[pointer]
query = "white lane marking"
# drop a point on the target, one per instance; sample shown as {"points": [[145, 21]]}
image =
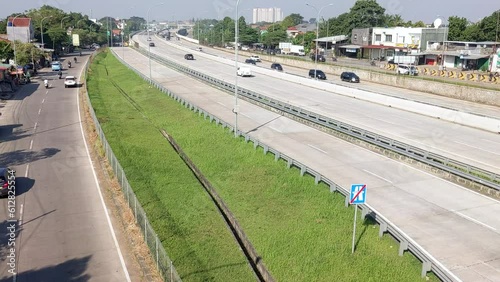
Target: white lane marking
{"points": [[498, 143], [39, 111], [31, 144], [277, 130], [27, 170], [475, 220], [122, 261], [316, 148], [383, 120], [21, 214], [220, 103], [43, 101], [479, 148], [36, 124], [378, 176]]}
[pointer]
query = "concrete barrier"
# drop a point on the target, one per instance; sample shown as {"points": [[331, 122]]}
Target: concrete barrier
{"points": [[455, 116]]}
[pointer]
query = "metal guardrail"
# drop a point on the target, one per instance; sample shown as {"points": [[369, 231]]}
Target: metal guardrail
{"points": [[163, 262], [429, 263], [463, 170]]}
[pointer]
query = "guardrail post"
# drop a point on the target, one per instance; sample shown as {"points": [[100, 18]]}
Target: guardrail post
{"points": [[255, 144], [403, 246], [317, 179], [302, 170], [364, 211], [276, 156], [266, 149], [347, 201], [333, 188], [426, 267], [383, 229]]}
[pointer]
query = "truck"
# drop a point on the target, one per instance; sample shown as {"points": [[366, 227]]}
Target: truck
{"points": [[408, 60], [290, 49]]}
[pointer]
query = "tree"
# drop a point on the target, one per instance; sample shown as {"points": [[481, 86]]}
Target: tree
{"points": [[456, 28], [3, 27], [6, 51], [366, 13], [26, 53], [291, 20], [394, 20], [419, 24]]}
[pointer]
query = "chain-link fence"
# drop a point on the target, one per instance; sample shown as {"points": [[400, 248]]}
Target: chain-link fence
{"points": [[163, 262]]}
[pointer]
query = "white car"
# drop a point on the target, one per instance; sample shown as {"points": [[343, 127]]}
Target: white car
{"points": [[407, 69], [244, 71], [69, 81], [255, 58], [244, 48]]}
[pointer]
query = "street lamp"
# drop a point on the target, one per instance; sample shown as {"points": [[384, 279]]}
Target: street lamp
{"points": [[149, 46], [236, 34], [14, 33], [317, 36], [67, 17], [198, 22], [41, 31], [437, 24]]}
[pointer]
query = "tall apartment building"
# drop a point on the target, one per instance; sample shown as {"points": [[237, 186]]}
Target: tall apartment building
{"points": [[270, 15]]}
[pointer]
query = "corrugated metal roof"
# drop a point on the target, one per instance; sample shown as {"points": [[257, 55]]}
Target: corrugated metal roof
{"points": [[20, 22]]}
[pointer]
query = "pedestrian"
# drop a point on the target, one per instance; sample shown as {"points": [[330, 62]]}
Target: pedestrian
{"points": [[491, 76]]}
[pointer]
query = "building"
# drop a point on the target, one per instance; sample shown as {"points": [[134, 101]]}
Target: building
{"points": [[268, 15], [20, 29]]}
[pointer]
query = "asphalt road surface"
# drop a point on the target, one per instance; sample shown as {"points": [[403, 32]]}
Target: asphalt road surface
{"points": [[64, 232], [457, 226]]}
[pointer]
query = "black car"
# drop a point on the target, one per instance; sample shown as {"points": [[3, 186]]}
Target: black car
{"points": [[151, 44], [318, 74], [276, 66], [250, 61], [189, 57], [4, 181], [349, 76]]}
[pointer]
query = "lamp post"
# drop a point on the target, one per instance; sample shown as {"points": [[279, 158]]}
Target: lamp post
{"points": [[14, 33], [149, 46], [67, 17], [236, 34], [437, 23], [41, 31], [317, 36]]}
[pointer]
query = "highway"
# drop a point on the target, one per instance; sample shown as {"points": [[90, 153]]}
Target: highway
{"points": [[446, 219], [64, 232], [445, 138]]}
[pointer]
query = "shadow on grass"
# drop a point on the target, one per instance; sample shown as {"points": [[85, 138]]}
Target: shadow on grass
{"points": [[367, 222], [72, 270]]}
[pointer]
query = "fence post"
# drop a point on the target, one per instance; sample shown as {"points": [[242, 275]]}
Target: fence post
{"points": [[135, 208], [145, 228], [171, 272], [157, 254]]}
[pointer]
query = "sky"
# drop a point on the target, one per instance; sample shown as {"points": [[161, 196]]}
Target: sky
{"points": [[414, 10]]}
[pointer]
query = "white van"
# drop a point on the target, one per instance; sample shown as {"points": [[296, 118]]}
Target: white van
{"points": [[244, 71]]}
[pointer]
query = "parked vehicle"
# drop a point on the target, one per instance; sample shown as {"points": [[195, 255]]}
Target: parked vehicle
{"points": [[189, 57], [407, 69], [349, 76], [290, 49], [244, 71], [69, 81], [249, 61], [199, 49], [276, 66], [56, 66], [319, 74], [256, 58]]}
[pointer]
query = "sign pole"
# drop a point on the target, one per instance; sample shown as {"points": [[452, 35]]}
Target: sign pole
{"points": [[354, 229]]}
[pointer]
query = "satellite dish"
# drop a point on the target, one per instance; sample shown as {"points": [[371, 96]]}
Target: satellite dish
{"points": [[438, 22]]}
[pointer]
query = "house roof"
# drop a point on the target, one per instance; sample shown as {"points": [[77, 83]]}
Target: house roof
{"points": [[336, 38], [20, 22]]}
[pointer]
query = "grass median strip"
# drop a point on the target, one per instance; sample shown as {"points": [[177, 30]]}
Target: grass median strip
{"points": [[301, 230]]}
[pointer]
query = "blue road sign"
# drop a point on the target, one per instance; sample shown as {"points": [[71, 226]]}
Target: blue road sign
{"points": [[358, 194]]}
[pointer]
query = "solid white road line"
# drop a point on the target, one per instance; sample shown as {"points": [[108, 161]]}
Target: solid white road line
{"points": [[479, 148], [475, 220], [378, 176], [127, 276], [316, 148]]}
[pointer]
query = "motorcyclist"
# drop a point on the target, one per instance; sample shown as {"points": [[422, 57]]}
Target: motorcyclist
{"points": [[46, 83], [69, 64], [60, 74], [74, 59]]}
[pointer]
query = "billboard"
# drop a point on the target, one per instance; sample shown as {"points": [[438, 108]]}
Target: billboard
{"points": [[76, 40]]}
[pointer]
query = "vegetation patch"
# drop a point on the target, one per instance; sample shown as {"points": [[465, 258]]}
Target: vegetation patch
{"points": [[302, 231]]}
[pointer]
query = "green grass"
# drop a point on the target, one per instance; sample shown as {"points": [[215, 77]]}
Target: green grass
{"points": [[302, 231]]}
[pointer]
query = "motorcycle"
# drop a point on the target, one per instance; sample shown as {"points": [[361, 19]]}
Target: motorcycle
{"points": [[69, 65], [60, 74], [46, 83]]}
